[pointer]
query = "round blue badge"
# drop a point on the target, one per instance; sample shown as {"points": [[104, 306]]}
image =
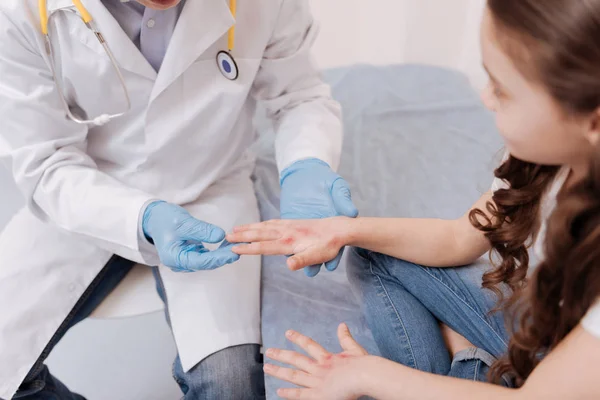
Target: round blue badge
{"points": [[227, 65]]}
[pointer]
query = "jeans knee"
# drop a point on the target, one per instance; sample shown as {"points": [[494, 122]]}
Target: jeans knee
{"points": [[364, 267], [232, 373], [358, 268], [365, 263]]}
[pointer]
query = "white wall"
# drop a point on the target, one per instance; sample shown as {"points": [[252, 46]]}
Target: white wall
{"points": [[438, 32]]}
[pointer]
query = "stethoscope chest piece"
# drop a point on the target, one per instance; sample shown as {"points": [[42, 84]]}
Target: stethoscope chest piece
{"points": [[227, 65]]}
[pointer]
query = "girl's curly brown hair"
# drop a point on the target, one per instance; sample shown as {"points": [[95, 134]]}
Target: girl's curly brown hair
{"points": [[557, 43]]}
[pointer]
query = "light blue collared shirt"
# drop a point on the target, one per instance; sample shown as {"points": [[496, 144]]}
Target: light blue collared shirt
{"points": [[149, 29]]}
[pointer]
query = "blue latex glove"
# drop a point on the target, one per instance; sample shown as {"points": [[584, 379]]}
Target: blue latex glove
{"points": [[311, 190], [178, 238]]}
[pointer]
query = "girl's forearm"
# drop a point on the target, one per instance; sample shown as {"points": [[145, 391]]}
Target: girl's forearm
{"points": [[386, 380], [430, 242]]}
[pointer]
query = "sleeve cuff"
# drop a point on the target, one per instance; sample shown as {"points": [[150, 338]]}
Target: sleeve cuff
{"points": [[147, 250], [300, 154]]}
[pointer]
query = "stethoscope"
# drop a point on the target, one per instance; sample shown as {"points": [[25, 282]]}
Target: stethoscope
{"points": [[225, 60]]}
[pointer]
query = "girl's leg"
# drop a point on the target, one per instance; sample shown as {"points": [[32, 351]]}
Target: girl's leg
{"points": [[472, 364], [404, 329], [394, 294]]}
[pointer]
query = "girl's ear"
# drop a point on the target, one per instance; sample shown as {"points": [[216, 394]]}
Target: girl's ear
{"points": [[592, 134]]}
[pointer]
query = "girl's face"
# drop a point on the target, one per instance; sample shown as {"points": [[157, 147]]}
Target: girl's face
{"points": [[533, 125]]}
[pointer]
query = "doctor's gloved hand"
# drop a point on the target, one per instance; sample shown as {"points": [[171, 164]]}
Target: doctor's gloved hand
{"points": [[310, 189], [178, 238]]}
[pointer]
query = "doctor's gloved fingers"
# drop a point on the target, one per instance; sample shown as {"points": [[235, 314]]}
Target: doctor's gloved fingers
{"points": [[175, 257], [333, 264], [312, 271], [226, 244], [199, 231], [208, 260], [225, 255], [342, 199]]}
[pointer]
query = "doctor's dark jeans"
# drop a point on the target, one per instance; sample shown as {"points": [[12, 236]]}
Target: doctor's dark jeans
{"points": [[233, 373], [404, 304]]}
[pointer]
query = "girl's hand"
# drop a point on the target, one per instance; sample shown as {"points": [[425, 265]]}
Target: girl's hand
{"points": [[322, 375], [309, 242]]}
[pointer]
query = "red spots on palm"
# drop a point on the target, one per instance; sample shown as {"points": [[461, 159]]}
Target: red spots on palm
{"points": [[287, 240], [304, 231], [326, 361]]}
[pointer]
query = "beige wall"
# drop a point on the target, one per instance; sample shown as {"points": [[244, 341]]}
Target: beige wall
{"points": [[438, 32]]}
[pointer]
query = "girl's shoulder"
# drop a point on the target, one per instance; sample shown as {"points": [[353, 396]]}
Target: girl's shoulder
{"points": [[591, 321]]}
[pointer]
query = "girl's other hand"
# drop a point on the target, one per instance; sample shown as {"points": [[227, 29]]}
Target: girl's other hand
{"points": [[322, 375]]}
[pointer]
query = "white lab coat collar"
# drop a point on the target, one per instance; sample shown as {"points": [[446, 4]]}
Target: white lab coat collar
{"points": [[127, 54], [54, 5], [202, 22]]}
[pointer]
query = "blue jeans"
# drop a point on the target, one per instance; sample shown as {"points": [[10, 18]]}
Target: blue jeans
{"points": [[404, 304], [232, 373]]}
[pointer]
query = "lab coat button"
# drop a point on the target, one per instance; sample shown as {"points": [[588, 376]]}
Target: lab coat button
{"points": [[151, 22]]}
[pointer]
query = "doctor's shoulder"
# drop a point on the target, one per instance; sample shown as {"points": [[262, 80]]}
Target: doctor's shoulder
{"points": [[20, 26]]}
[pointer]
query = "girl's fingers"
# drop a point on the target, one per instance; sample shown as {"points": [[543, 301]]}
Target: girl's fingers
{"points": [[348, 343], [247, 227], [270, 248], [314, 349], [290, 375], [306, 259], [253, 235], [258, 226], [296, 394], [294, 359]]}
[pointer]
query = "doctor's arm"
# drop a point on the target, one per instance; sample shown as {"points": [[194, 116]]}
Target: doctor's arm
{"points": [[61, 182], [289, 85], [307, 122]]}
